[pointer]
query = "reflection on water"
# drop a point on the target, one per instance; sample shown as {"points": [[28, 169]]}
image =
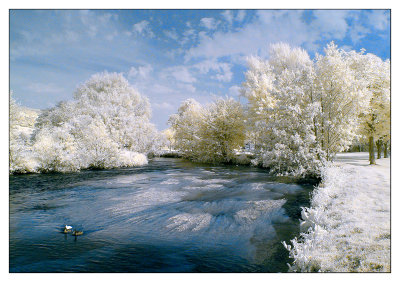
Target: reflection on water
{"points": [[169, 216]]}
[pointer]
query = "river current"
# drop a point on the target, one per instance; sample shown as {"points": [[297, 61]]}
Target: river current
{"points": [[169, 216]]}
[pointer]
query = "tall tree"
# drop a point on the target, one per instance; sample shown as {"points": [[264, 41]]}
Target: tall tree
{"points": [[22, 123], [222, 130], [169, 137], [211, 133], [304, 111], [106, 125], [374, 75], [186, 125], [343, 97]]}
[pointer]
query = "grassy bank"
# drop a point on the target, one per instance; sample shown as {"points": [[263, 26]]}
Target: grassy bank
{"points": [[347, 227]]}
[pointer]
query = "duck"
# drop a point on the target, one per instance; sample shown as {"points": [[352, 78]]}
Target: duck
{"points": [[77, 233], [67, 229]]}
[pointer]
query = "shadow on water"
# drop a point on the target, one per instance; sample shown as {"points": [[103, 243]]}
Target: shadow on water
{"points": [[169, 216]]}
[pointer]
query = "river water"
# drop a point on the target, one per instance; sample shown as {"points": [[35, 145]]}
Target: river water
{"points": [[169, 216]]}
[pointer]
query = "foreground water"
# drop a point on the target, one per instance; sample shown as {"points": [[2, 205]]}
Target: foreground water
{"points": [[169, 216]]}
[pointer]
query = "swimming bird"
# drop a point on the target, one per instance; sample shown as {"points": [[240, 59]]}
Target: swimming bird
{"points": [[67, 228], [77, 233]]}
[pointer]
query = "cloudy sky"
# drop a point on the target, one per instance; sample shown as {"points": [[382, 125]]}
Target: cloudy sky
{"points": [[170, 55]]}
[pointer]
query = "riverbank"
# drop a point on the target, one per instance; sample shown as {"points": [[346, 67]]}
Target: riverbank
{"points": [[347, 227], [240, 158]]}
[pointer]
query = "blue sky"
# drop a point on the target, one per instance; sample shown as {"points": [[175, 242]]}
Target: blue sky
{"points": [[170, 55]]}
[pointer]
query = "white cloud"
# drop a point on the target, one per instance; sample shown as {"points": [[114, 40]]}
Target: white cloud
{"points": [[95, 24], [209, 23], [187, 87], [140, 26], [173, 53], [65, 28], [240, 15], [331, 23], [228, 16], [347, 48], [161, 89], [171, 34], [225, 76], [251, 39], [202, 35], [39, 87], [180, 73], [111, 36], [234, 91], [127, 33], [71, 36], [206, 65], [188, 35], [162, 105], [379, 19], [189, 32], [222, 70], [142, 71], [269, 27], [143, 28], [357, 32]]}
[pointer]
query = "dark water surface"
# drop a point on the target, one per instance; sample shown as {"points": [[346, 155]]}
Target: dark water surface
{"points": [[168, 216]]}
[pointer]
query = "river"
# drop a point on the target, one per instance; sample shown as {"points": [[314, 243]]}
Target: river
{"points": [[169, 216]]}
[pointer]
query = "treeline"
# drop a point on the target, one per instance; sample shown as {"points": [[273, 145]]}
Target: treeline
{"points": [[300, 111]]}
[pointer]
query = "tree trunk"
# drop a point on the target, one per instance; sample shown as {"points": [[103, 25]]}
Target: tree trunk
{"points": [[385, 150], [379, 148], [371, 150]]}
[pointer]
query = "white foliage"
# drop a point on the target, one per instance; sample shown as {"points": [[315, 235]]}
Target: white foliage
{"points": [[22, 121], [343, 97], [168, 138], [186, 125], [128, 158], [211, 133], [106, 126], [347, 227], [375, 74], [222, 131], [302, 112]]}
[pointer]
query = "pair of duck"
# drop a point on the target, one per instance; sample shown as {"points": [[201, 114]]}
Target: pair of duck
{"points": [[68, 229]]}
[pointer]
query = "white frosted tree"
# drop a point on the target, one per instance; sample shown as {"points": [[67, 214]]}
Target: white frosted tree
{"points": [[124, 112], [281, 110], [257, 88], [303, 111], [211, 133], [55, 149], [384, 126], [22, 123], [105, 126], [222, 131], [186, 125], [169, 138], [342, 97], [375, 119]]}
